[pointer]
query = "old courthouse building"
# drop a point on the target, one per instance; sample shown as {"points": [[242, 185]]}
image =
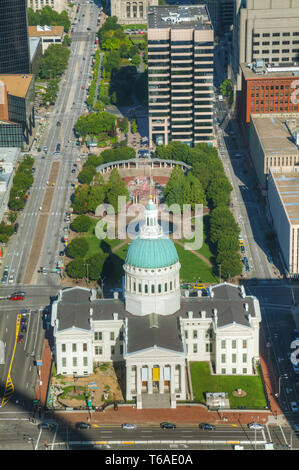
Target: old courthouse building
{"points": [[154, 331]]}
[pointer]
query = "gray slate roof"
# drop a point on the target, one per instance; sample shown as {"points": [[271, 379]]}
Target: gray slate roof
{"points": [[142, 335]]}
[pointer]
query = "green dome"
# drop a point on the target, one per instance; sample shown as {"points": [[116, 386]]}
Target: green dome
{"points": [[152, 253]]}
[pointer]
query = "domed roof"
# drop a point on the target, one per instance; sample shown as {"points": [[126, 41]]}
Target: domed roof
{"points": [[152, 253]]}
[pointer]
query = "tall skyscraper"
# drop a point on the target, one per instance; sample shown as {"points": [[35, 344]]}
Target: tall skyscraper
{"points": [[180, 74], [14, 42]]}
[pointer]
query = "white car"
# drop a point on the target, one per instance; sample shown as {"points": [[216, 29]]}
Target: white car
{"points": [[11, 279], [294, 406], [128, 426], [256, 426]]}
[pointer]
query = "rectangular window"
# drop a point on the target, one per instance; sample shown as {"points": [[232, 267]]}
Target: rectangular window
{"points": [[234, 344], [74, 362], [244, 370], [64, 362], [194, 334], [84, 347], [223, 358], [85, 361], [234, 358], [195, 348], [98, 336], [244, 357], [244, 343], [98, 350], [223, 371], [63, 348], [112, 336], [223, 344], [74, 347], [234, 371], [112, 350]]}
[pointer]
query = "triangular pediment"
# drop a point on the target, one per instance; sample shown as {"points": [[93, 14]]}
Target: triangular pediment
{"points": [[155, 352]]}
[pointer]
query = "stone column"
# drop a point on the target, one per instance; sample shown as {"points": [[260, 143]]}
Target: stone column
{"points": [[161, 379], [150, 379], [128, 382], [138, 379], [172, 380], [183, 380]]}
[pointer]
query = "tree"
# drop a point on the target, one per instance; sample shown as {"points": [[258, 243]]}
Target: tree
{"points": [[77, 248], [96, 197], [219, 191], [95, 265], [231, 265], [80, 199], [81, 223], [86, 175], [134, 127], [136, 60], [116, 187], [76, 268], [54, 61], [222, 222]]}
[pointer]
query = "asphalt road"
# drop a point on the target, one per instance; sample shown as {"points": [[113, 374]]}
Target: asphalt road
{"points": [[70, 105]]}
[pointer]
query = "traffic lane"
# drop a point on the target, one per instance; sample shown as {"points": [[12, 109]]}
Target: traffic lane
{"points": [[155, 433]]}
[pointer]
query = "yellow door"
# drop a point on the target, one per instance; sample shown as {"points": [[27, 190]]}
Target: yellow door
{"points": [[155, 374]]}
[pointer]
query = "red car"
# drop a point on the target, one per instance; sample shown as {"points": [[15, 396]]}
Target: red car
{"points": [[20, 339], [17, 297], [83, 87]]}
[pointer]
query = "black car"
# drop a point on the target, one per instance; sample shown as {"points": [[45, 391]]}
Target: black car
{"points": [[58, 147], [83, 425], [61, 253], [58, 124], [207, 426], [167, 426], [16, 227]]}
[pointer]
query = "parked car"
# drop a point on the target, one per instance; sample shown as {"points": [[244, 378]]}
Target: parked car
{"points": [[82, 425], [128, 426], [167, 425], [11, 279], [20, 338], [16, 227], [294, 406], [16, 297], [207, 426], [45, 425], [256, 426]]}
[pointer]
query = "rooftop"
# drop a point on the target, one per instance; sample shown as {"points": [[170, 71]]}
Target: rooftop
{"points": [[275, 135], [287, 185], [261, 70], [179, 17], [38, 31], [17, 84], [74, 310]]}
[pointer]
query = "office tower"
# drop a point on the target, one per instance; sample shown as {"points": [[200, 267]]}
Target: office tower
{"points": [[180, 74], [131, 11], [226, 14], [14, 43], [265, 30]]}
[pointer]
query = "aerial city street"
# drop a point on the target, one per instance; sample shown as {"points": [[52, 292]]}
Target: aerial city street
{"points": [[122, 124]]}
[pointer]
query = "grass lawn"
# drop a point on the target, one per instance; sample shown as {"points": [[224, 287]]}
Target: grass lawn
{"points": [[203, 382], [193, 268]]}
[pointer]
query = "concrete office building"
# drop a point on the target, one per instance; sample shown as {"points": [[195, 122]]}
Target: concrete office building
{"points": [[273, 145], [131, 11], [180, 74], [57, 5], [283, 189], [265, 30], [153, 349], [16, 110]]}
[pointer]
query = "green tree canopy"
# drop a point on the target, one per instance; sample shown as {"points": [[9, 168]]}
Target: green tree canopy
{"points": [[81, 223], [222, 223], [95, 265], [77, 248], [86, 175], [76, 268], [115, 187]]}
